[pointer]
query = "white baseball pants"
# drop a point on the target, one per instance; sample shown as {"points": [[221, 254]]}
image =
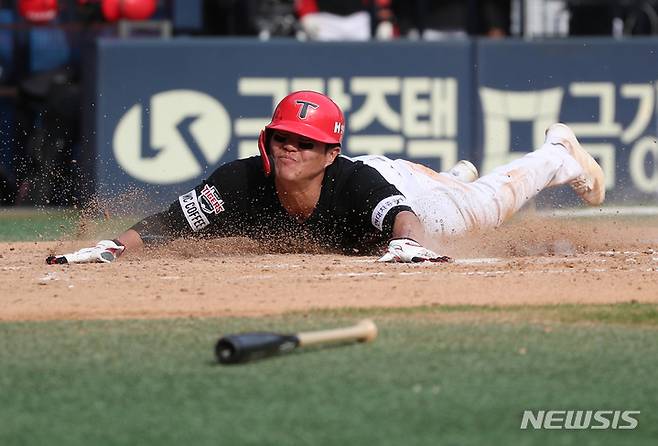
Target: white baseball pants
{"points": [[447, 206]]}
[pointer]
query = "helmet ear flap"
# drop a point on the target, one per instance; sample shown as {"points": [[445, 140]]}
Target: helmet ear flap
{"points": [[267, 166]]}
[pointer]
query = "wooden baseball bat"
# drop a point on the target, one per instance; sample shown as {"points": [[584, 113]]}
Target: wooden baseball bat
{"points": [[244, 347]]}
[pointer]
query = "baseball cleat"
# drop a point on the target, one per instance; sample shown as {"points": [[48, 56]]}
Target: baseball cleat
{"points": [[589, 185], [464, 171]]}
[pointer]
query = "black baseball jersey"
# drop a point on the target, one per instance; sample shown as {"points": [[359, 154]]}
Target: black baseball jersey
{"points": [[354, 214]]}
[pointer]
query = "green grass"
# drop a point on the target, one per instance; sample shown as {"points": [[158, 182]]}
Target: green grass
{"points": [[432, 377], [629, 313], [35, 224]]}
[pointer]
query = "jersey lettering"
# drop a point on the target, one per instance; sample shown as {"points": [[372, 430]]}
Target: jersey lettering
{"points": [[192, 211]]}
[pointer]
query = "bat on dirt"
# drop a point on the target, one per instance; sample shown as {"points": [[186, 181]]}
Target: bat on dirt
{"points": [[243, 347]]}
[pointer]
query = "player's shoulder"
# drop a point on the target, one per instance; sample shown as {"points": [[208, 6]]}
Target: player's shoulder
{"points": [[345, 166], [357, 166], [244, 165], [347, 174], [242, 169]]}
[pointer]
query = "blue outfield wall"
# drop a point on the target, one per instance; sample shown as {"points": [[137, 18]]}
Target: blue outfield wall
{"points": [[167, 112], [604, 89]]}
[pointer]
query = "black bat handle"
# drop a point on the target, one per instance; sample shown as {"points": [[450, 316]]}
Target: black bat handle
{"points": [[238, 348]]}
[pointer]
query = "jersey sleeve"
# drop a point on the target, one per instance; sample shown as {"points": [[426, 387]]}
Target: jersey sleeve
{"points": [[376, 202], [212, 207]]}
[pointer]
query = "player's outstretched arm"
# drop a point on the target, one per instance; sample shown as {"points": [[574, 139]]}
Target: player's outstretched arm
{"points": [[407, 242], [105, 251], [184, 217]]}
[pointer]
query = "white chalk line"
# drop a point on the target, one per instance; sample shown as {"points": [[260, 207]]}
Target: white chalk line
{"points": [[484, 260], [472, 261], [642, 211], [426, 272], [364, 274], [428, 268]]}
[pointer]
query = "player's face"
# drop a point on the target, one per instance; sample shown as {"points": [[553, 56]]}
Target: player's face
{"points": [[297, 158]]}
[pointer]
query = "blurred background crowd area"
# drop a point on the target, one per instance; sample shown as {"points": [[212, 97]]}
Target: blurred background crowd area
{"points": [[42, 43]]}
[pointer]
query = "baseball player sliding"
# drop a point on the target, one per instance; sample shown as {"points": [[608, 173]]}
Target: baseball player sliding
{"points": [[300, 187]]}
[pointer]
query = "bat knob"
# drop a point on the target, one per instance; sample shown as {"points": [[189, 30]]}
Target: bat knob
{"points": [[225, 352], [369, 328]]}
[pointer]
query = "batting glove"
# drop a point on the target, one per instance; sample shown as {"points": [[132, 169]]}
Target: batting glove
{"points": [[406, 250], [105, 251]]}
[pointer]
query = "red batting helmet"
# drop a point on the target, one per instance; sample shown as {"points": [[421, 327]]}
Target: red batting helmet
{"points": [[305, 113]]}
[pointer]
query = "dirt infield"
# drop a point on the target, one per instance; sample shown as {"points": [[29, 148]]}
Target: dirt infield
{"points": [[532, 261]]}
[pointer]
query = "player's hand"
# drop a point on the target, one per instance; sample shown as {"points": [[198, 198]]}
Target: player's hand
{"points": [[407, 250], [105, 251]]}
